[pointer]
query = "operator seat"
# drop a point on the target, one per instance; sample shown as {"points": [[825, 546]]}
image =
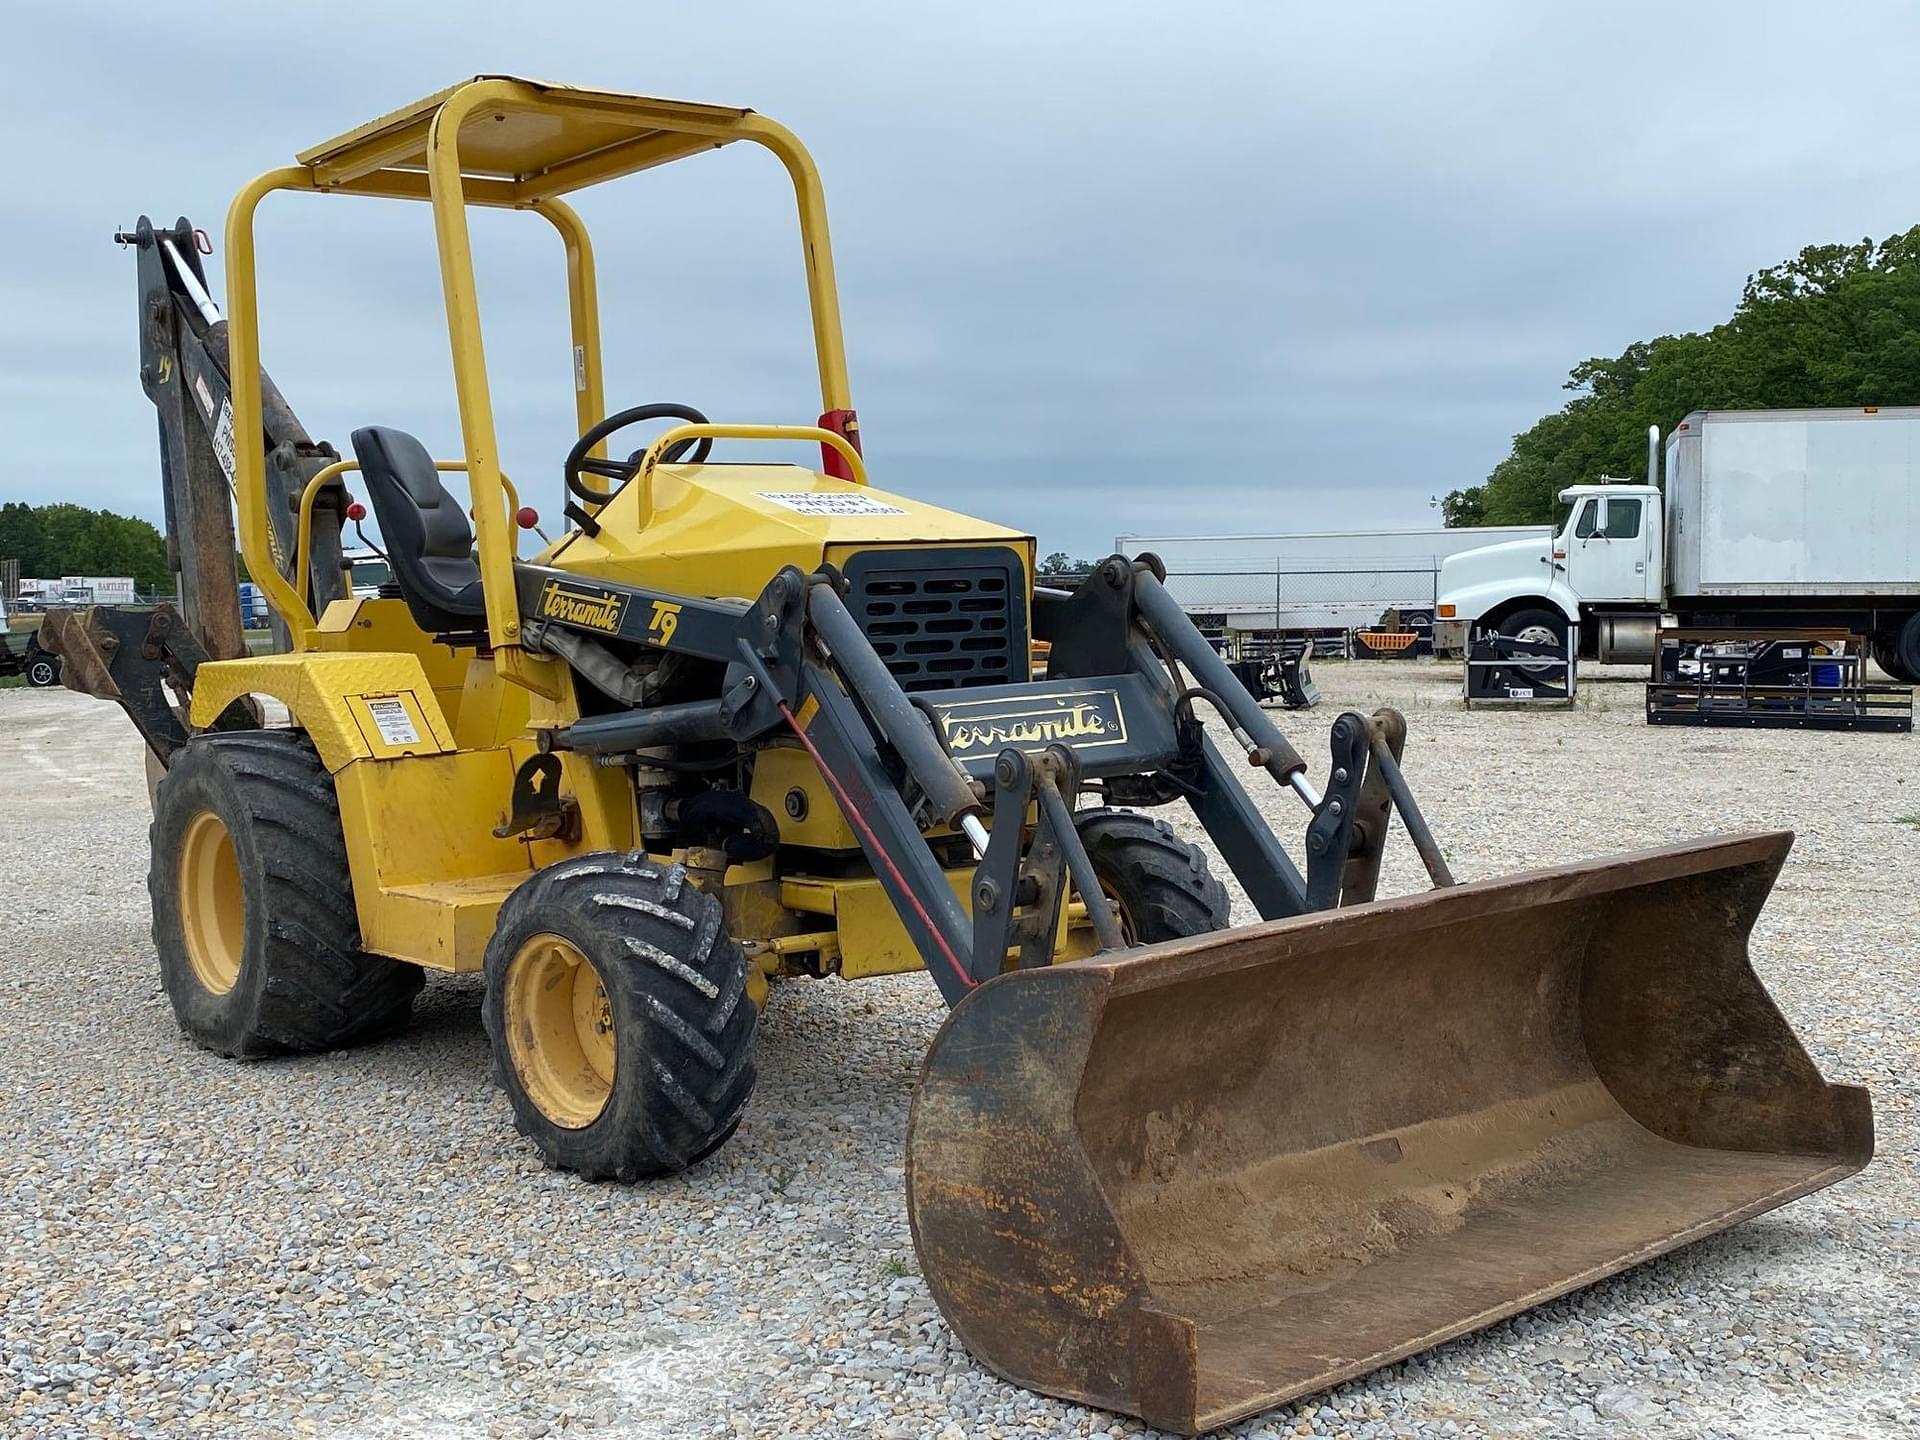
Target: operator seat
{"points": [[429, 543]]}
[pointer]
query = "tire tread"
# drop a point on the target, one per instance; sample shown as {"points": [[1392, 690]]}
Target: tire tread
{"points": [[1162, 880], [321, 991], [683, 1090]]}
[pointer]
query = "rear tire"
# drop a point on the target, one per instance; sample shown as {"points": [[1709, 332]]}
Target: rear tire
{"points": [[1904, 650], [1160, 882], [253, 911], [1881, 648], [618, 1011]]}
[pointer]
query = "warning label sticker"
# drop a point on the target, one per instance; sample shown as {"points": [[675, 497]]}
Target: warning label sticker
{"points": [[223, 439], [820, 502], [395, 725]]}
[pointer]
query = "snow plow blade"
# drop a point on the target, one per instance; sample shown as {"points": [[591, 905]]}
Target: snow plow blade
{"points": [[1201, 1179]]}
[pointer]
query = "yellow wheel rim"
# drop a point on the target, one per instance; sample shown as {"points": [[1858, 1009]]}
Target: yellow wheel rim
{"points": [[213, 911], [1127, 932], [559, 1031]]}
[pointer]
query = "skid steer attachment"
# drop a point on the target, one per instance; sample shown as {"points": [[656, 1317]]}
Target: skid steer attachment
{"points": [[1205, 1178]]}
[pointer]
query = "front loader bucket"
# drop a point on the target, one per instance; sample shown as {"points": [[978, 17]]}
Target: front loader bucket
{"points": [[1207, 1177]]}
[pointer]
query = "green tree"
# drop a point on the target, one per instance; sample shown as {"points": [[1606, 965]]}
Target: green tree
{"points": [[1061, 563], [1835, 325], [22, 536], [1462, 509], [61, 539]]}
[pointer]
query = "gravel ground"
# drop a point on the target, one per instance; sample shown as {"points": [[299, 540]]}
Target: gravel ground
{"points": [[358, 1245]]}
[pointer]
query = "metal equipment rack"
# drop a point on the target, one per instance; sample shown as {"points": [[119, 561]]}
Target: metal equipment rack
{"points": [[1272, 668], [1810, 679], [1505, 672]]}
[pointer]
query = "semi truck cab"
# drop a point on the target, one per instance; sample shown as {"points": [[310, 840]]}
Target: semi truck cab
{"points": [[1613, 544], [1604, 566], [1771, 519]]}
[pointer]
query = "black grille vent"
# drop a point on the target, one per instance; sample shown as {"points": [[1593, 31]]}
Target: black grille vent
{"points": [[943, 619]]}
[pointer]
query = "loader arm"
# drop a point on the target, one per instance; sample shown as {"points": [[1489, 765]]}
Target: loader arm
{"points": [[1113, 709]]}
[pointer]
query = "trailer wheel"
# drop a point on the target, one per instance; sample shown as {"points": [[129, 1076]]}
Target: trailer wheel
{"points": [[253, 911], [1904, 651], [617, 1007], [1159, 882], [43, 671], [1882, 649]]}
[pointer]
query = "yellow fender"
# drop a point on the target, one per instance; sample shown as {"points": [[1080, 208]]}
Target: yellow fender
{"points": [[355, 707]]}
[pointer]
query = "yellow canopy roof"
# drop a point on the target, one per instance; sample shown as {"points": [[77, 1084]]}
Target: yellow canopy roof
{"points": [[529, 137]]}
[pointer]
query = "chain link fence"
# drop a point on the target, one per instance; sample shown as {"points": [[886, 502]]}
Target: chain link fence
{"points": [[1278, 596]]}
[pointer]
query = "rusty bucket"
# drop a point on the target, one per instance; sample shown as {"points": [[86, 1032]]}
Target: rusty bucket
{"points": [[1208, 1177]]}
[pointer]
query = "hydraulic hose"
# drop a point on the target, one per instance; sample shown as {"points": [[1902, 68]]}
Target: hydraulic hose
{"points": [[599, 666]]}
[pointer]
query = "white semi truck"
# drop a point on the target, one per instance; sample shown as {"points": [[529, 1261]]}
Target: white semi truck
{"points": [[1311, 580], [1770, 519]]}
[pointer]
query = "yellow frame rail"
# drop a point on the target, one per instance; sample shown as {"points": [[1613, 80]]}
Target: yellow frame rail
{"points": [[509, 144]]}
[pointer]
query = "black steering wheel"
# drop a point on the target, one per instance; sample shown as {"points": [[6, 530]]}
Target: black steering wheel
{"points": [[580, 462]]}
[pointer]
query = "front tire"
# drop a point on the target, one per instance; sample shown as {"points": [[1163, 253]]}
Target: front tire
{"points": [[43, 671], [1160, 883], [253, 913], [618, 1012], [1539, 627]]}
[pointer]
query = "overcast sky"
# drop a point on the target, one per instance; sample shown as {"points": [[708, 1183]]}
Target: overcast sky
{"points": [[1104, 268]]}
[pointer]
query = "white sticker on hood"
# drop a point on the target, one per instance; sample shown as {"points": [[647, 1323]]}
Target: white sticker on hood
{"points": [[823, 502]]}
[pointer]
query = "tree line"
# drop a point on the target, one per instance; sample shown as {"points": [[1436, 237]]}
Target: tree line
{"points": [[1836, 325], [54, 540]]}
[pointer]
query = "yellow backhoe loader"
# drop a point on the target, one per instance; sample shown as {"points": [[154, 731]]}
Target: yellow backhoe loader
{"points": [[746, 720]]}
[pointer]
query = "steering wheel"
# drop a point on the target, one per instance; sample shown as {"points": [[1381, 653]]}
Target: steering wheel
{"points": [[580, 461]]}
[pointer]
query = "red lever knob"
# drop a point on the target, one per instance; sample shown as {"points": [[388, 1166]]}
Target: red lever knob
{"points": [[356, 511], [526, 517]]}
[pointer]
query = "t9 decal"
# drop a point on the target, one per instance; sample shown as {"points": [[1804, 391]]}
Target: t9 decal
{"points": [[665, 620]]}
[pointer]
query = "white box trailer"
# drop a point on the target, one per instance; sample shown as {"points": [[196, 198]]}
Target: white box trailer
{"points": [[100, 589], [1314, 580], [1794, 502], [1770, 519]]}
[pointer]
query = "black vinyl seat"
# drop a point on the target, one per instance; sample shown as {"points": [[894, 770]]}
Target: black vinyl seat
{"points": [[429, 542]]}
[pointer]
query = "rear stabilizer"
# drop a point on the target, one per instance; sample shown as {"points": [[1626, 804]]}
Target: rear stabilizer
{"points": [[1201, 1179]]}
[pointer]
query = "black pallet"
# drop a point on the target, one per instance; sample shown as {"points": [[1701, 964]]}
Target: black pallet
{"points": [[1886, 708], [1506, 671], [1767, 681]]}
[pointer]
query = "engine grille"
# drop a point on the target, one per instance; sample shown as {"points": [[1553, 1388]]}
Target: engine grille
{"points": [[943, 619]]}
